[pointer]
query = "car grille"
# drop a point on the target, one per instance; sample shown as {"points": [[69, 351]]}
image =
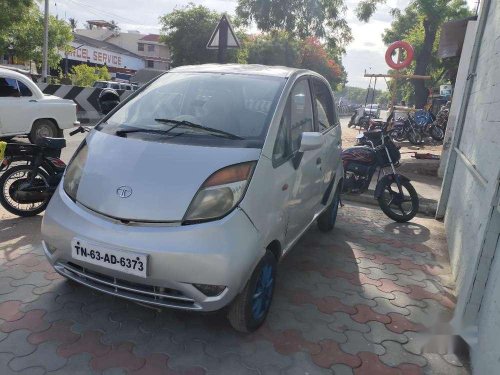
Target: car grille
{"points": [[142, 293]]}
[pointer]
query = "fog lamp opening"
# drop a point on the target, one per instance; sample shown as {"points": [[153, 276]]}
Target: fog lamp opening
{"points": [[210, 290]]}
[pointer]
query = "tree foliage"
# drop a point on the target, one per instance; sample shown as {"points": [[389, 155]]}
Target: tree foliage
{"points": [[11, 12], [25, 37], [186, 31], [324, 19], [85, 75]]}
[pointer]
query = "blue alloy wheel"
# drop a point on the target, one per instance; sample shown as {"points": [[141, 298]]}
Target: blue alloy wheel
{"points": [[263, 292]]}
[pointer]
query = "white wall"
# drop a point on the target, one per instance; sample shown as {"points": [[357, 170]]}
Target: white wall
{"points": [[472, 197]]}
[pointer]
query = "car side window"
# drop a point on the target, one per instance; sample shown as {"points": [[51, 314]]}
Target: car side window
{"points": [[301, 113], [324, 106], [25, 91], [9, 88], [282, 150]]}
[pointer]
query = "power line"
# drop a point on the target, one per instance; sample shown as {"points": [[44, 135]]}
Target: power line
{"points": [[99, 12]]}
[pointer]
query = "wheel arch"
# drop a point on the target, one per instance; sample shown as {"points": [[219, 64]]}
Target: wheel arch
{"points": [[275, 248]]}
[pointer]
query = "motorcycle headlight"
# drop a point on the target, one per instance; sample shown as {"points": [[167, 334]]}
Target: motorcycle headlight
{"points": [[220, 193], [74, 171]]}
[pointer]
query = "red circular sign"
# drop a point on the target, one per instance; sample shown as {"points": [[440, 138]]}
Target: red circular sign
{"points": [[401, 64]]}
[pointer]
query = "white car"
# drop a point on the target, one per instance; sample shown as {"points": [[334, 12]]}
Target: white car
{"points": [[24, 109], [206, 179]]}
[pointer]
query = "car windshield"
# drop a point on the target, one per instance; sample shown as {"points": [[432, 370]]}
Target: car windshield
{"points": [[238, 104]]}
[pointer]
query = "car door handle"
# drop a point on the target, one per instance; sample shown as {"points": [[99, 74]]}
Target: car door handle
{"points": [[318, 161]]}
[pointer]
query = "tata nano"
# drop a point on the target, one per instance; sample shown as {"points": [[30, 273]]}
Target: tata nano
{"points": [[189, 193]]}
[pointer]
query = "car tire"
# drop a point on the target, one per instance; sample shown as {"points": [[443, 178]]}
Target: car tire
{"points": [[249, 310], [326, 221], [41, 129]]}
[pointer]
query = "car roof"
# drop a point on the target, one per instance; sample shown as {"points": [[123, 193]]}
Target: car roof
{"points": [[10, 73], [248, 69]]}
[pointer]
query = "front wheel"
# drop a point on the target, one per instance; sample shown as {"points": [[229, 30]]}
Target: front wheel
{"points": [[415, 137], [326, 221], [398, 135], [399, 205], [13, 180], [249, 310]]}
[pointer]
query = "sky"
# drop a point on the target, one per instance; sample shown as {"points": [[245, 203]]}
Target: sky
{"points": [[366, 52]]}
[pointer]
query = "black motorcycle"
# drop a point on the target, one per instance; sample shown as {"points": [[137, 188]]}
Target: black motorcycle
{"points": [[395, 194], [32, 173]]}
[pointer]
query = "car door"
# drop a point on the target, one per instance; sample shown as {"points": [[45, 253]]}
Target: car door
{"points": [[327, 122], [15, 112], [299, 173]]}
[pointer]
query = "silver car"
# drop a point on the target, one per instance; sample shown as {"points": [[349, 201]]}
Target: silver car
{"points": [[189, 194]]}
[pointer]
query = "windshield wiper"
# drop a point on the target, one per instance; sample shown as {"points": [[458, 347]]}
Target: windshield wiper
{"points": [[192, 125]]}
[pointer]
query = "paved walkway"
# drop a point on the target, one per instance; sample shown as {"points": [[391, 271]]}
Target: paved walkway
{"points": [[353, 301]]}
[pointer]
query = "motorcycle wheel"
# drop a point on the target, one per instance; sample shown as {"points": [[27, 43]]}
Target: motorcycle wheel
{"points": [[16, 175], [399, 207], [437, 133], [397, 135], [415, 138]]}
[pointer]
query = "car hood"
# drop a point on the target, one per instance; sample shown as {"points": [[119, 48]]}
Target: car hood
{"points": [[56, 99], [163, 177]]}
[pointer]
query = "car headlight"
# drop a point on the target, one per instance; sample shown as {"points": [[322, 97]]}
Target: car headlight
{"points": [[220, 193], [74, 171]]}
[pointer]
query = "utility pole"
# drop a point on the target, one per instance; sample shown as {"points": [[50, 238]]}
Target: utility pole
{"points": [[45, 64]]}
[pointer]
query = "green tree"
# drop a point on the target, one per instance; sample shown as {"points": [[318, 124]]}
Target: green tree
{"points": [[11, 12], [419, 23], [186, 31], [324, 19], [85, 75], [26, 37]]}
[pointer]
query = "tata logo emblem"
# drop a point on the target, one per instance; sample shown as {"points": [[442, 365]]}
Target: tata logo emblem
{"points": [[124, 191]]}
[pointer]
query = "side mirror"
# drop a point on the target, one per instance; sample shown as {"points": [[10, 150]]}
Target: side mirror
{"points": [[311, 141], [108, 99]]}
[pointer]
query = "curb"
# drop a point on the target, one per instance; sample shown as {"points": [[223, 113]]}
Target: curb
{"points": [[427, 207]]}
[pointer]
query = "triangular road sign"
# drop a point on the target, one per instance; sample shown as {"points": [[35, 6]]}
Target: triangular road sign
{"points": [[224, 26]]}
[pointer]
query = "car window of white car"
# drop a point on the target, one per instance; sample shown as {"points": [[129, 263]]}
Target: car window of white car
{"points": [[324, 106], [9, 88], [301, 114], [24, 90], [282, 149]]}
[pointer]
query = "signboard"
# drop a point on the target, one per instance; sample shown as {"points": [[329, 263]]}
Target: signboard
{"points": [[99, 56], [224, 25], [445, 90]]}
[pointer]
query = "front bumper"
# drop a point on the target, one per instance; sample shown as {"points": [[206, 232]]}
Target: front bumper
{"points": [[222, 252]]}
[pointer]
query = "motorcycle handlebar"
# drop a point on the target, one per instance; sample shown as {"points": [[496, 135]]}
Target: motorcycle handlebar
{"points": [[80, 129]]}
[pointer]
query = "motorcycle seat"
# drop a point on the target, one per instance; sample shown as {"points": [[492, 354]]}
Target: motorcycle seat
{"points": [[52, 143]]}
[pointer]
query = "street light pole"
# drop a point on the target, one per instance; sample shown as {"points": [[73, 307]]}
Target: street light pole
{"points": [[45, 64]]}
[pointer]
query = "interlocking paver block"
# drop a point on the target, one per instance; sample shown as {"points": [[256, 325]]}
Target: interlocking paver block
{"points": [[400, 324], [5, 287], [16, 343], [352, 298], [76, 365], [396, 355], [379, 333], [59, 331], [44, 356], [365, 314], [340, 369], [34, 278], [385, 306], [331, 354], [344, 322], [371, 365], [10, 310], [120, 356], [357, 343], [377, 273], [32, 320], [89, 342]]}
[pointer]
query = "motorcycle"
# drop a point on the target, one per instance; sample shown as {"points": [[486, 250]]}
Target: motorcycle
{"points": [[442, 117], [427, 125], [26, 188], [32, 172], [395, 194], [360, 118], [406, 129]]}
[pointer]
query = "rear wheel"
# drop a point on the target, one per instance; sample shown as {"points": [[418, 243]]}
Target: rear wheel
{"points": [[43, 129], [400, 207], [249, 310], [326, 221], [437, 133], [14, 179], [415, 137], [397, 135]]}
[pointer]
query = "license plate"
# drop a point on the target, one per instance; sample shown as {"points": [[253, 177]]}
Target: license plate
{"points": [[119, 260]]}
